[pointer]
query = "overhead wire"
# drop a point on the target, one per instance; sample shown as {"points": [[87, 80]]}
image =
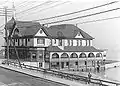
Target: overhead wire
{"points": [[4, 2], [22, 3], [82, 16], [44, 9], [29, 4], [77, 11], [99, 20], [34, 7], [2, 26]]}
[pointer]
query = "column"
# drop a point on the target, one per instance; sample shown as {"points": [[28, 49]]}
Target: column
{"points": [[102, 62], [31, 56], [78, 62], [86, 62], [59, 62], [43, 60], [69, 62], [37, 57], [50, 56]]}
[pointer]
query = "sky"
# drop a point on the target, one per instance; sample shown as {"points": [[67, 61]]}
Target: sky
{"points": [[106, 33]]}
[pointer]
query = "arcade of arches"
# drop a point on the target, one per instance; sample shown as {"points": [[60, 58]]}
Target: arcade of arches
{"points": [[76, 60]]}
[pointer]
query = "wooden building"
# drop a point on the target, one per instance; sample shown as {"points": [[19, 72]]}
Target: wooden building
{"points": [[58, 46]]}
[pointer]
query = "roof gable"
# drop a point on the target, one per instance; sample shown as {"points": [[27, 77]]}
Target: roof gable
{"points": [[40, 33], [79, 35]]}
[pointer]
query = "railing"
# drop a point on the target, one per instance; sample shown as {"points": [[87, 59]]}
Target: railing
{"points": [[75, 59], [99, 82]]}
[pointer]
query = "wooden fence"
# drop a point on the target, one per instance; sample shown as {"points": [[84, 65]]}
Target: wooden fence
{"points": [[94, 81]]}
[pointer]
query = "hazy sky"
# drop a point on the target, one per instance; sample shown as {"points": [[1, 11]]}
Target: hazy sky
{"points": [[106, 33]]}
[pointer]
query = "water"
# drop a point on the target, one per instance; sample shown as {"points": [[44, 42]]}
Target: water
{"points": [[113, 73]]}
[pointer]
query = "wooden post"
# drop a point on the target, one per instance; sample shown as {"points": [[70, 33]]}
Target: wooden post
{"points": [[59, 62], [43, 60], [94, 63], [69, 62], [78, 63], [6, 35], [50, 61], [86, 63]]}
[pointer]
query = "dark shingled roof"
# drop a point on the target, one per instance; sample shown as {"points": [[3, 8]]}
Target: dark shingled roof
{"points": [[66, 31], [73, 49], [29, 28], [25, 27]]}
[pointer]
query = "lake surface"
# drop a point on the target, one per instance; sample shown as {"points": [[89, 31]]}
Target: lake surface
{"points": [[113, 73]]}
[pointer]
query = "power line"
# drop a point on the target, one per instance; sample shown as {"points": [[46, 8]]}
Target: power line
{"points": [[22, 3], [51, 7], [2, 25], [4, 2], [34, 7], [82, 16], [99, 20], [78, 11]]}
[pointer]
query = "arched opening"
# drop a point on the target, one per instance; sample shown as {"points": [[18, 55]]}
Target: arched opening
{"points": [[73, 55], [99, 55], [91, 55], [64, 55], [82, 55], [55, 55]]}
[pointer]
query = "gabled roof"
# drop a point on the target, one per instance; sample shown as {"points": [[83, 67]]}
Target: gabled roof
{"points": [[66, 31], [26, 28], [73, 49], [29, 28]]}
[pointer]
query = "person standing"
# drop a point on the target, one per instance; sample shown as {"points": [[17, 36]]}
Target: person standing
{"points": [[89, 78]]}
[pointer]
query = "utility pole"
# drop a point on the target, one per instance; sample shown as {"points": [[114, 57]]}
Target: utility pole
{"points": [[6, 35]]}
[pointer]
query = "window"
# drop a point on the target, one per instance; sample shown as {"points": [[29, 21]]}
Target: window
{"points": [[18, 42], [80, 42], [28, 40], [22, 42], [15, 40], [55, 41], [40, 41], [76, 63], [67, 63], [41, 31], [25, 42], [60, 42]]}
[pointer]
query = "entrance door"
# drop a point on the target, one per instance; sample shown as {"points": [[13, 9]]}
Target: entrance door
{"points": [[62, 64]]}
